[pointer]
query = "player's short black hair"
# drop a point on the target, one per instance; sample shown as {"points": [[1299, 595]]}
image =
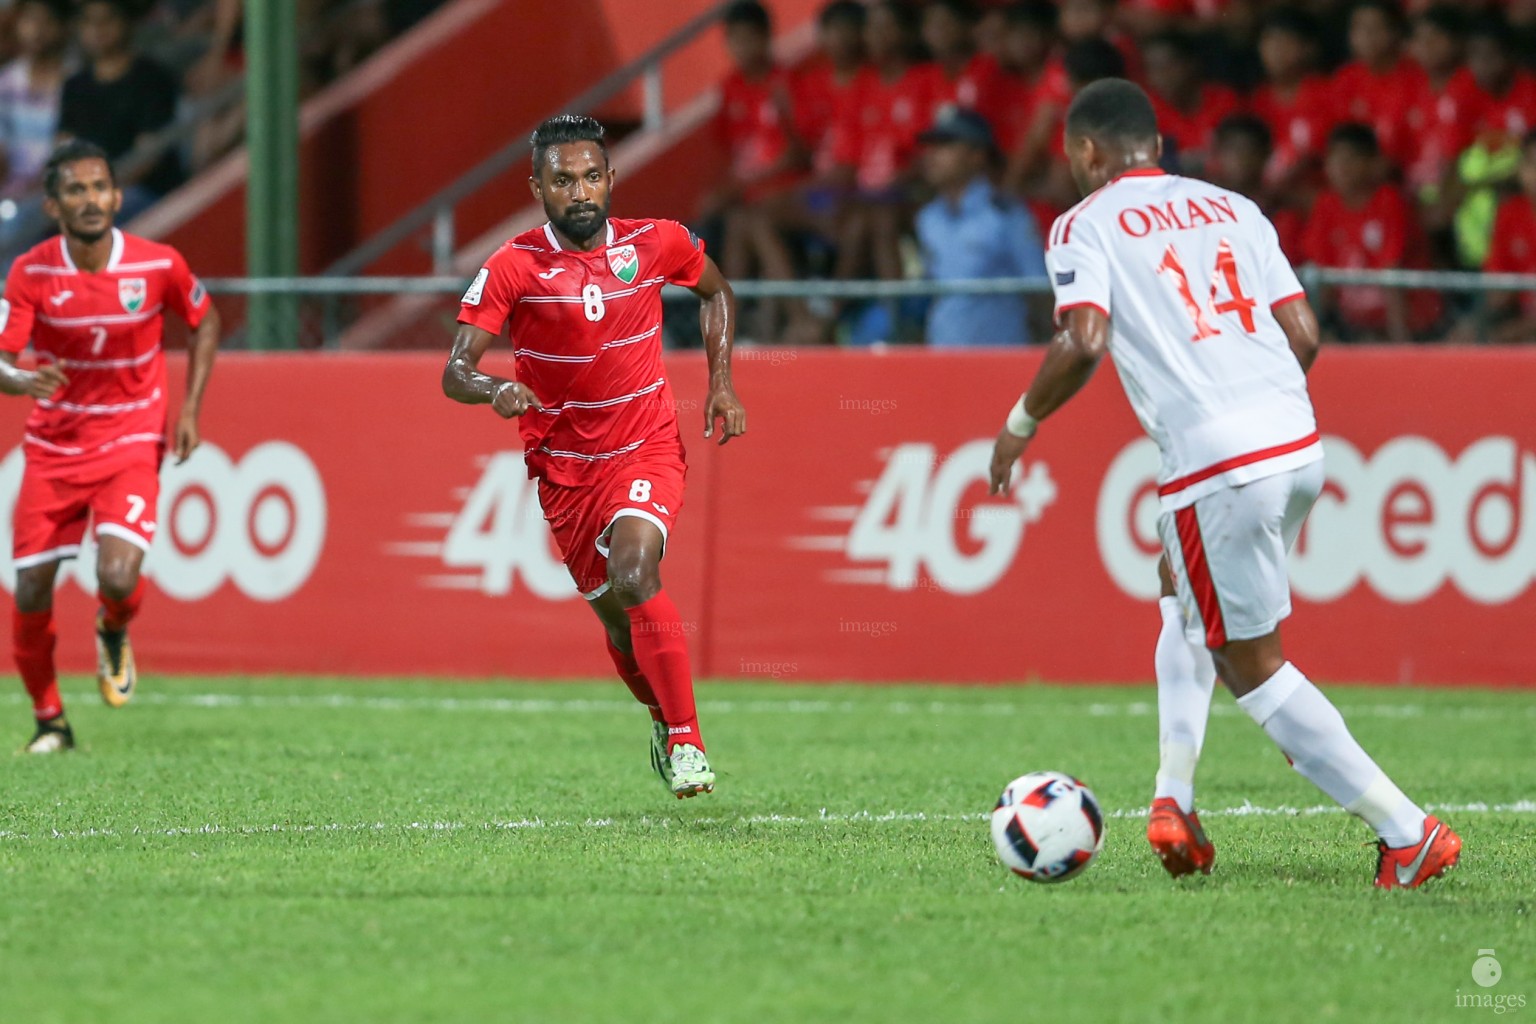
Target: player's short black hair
{"points": [[69, 152], [1245, 126], [1292, 21], [1112, 110], [1039, 14], [564, 128], [1387, 9], [1447, 18], [1089, 60], [749, 14], [845, 12], [1359, 137]]}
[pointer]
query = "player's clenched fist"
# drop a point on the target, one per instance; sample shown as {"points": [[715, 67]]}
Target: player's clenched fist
{"points": [[513, 399], [1005, 452]]}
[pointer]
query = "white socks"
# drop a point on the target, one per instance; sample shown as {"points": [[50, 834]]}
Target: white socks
{"points": [[1185, 678], [1311, 732]]}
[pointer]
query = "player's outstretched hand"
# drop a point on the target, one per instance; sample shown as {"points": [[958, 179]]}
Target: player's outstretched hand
{"points": [[188, 437], [45, 380], [1005, 452], [725, 406], [513, 399]]}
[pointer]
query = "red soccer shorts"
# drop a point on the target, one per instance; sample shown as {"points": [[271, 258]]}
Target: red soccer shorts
{"points": [[649, 484], [119, 494]]}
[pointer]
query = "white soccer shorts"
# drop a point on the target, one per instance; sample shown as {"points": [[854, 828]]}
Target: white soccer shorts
{"points": [[1228, 554]]}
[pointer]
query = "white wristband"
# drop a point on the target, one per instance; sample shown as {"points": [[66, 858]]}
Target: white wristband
{"points": [[1020, 423]]}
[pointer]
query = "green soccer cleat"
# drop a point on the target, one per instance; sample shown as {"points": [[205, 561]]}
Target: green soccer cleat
{"points": [[660, 763], [116, 674], [690, 771], [53, 736]]}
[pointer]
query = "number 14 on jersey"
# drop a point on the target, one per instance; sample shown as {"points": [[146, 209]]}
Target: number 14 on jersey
{"points": [[1224, 274]]}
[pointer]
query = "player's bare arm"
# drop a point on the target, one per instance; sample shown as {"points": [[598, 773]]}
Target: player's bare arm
{"points": [[1299, 323], [38, 383], [463, 381], [1074, 353], [717, 322], [201, 351]]}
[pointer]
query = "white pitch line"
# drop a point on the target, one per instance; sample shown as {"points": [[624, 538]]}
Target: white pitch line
{"points": [[1026, 705], [825, 817]]}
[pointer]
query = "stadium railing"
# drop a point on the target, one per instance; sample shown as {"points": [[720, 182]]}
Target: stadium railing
{"points": [[328, 298]]}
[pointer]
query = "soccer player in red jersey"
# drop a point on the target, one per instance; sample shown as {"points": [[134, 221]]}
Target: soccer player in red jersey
{"points": [[581, 296], [92, 302]]}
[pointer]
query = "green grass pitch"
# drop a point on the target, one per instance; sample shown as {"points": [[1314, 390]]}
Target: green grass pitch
{"points": [[233, 850]]}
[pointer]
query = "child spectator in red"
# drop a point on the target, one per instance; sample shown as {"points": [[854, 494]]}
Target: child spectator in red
{"points": [[1188, 108], [1294, 101], [1377, 86]]}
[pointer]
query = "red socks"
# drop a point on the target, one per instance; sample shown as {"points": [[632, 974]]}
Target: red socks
{"points": [[120, 613], [661, 652], [33, 638], [630, 673]]}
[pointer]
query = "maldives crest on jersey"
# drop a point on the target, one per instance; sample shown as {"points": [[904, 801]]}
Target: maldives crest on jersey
{"points": [[625, 263], [130, 292]]}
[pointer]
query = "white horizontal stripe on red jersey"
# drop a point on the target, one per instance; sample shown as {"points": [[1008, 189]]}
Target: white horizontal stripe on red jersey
{"points": [[604, 403], [108, 364], [33, 268], [553, 358], [633, 234], [622, 293], [110, 318], [123, 268], [100, 410], [594, 458], [528, 248], [59, 449]]}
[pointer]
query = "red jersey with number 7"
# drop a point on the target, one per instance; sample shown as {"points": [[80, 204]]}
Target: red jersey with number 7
{"points": [[1190, 275], [586, 335], [104, 330]]}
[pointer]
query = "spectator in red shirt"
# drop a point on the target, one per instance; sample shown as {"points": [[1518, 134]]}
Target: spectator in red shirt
{"points": [[1441, 107], [962, 77], [1084, 20], [824, 88], [1238, 157], [1294, 101], [1513, 251], [766, 156], [892, 103], [1038, 168], [1188, 109], [1379, 83], [1029, 74], [1362, 221]]}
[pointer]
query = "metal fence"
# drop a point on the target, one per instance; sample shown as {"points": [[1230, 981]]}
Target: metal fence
{"points": [[329, 310]]}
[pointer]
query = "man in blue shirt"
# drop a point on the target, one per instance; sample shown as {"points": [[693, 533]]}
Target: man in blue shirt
{"points": [[973, 229]]}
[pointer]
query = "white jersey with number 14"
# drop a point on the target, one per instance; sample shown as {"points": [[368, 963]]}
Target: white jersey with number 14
{"points": [[1190, 275]]}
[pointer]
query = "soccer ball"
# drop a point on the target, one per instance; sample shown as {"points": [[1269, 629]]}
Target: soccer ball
{"points": [[1047, 827]]}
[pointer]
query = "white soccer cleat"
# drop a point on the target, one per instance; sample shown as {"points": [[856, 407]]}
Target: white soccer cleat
{"points": [[690, 771]]}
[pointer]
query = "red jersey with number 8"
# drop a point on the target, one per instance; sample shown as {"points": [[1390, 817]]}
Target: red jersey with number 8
{"points": [[104, 331], [1190, 275], [586, 334]]}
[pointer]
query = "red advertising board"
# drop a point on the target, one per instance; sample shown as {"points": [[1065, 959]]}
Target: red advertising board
{"points": [[346, 517]]}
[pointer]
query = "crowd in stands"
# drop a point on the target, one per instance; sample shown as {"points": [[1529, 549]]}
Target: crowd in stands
{"points": [[925, 138], [117, 72]]}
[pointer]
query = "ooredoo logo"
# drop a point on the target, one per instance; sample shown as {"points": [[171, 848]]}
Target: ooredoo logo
{"points": [[259, 522], [1405, 520]]}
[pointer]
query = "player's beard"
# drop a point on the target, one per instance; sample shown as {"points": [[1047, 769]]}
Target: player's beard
{"points": [[90, 237], [578, 222]]}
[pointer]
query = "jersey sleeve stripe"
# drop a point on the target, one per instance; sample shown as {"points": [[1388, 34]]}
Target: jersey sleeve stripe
{"points": [[1069, 307], [1289, 298]]}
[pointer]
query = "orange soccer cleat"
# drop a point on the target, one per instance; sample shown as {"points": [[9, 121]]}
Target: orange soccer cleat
{"points": [[1178, 839], [1408, 867]]}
